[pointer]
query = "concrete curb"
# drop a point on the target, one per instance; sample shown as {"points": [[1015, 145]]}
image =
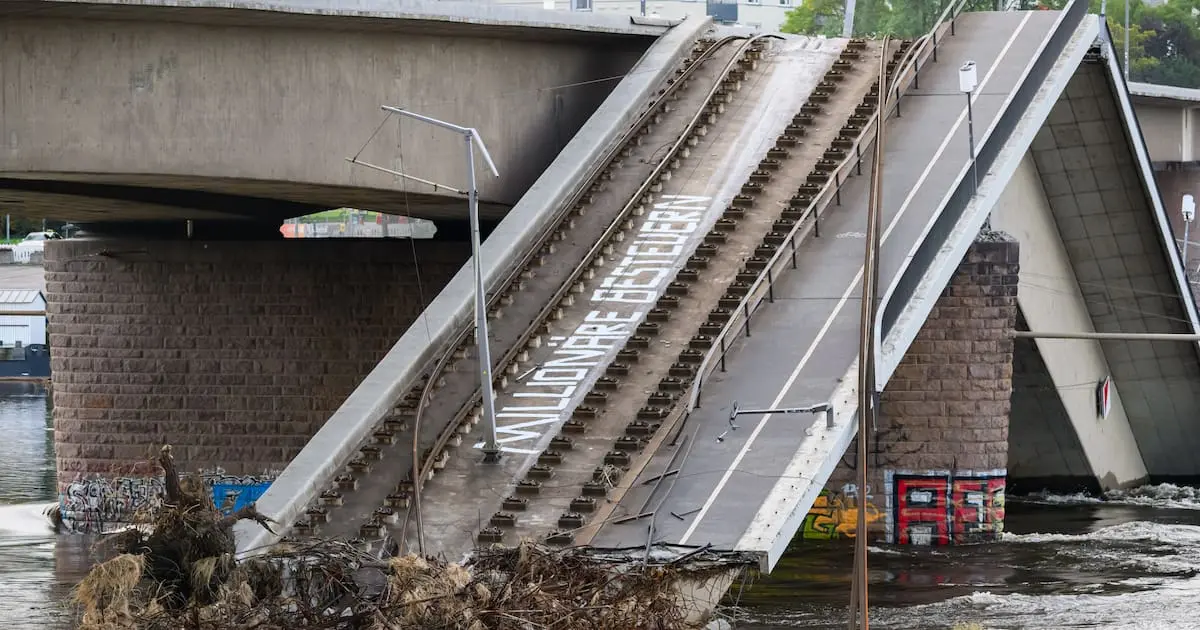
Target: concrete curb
{"points": [[339, 439]]}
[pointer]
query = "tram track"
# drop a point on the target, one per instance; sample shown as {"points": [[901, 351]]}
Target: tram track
{"points": [[367, 499]]}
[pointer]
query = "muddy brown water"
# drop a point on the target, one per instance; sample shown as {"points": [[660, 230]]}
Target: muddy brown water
{"points": [[1130, 561]]}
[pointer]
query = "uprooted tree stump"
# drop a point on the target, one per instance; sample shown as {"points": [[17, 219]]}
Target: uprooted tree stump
{"points": [[183, 575]]}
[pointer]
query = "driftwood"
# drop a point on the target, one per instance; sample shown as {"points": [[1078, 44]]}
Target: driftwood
{"points": [[183, 575]]}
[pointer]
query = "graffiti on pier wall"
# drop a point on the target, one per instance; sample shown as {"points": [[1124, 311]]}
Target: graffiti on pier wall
{"points": [[942, 507], [98, 504], [835, 514]]}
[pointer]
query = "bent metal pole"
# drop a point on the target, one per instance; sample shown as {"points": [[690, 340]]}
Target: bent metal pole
{"points": [[487, 401]]}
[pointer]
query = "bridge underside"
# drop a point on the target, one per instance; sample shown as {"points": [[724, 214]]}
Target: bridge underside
{"points": [[1117, 241], [156, 111]]}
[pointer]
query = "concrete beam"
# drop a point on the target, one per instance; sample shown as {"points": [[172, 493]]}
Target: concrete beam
{"points": [[1049, 296], [426, 16]]}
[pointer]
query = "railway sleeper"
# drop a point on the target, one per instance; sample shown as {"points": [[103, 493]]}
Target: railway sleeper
{"points": [[787, 140], [529, 486], [835, 76], [701, 341], [756, 263], [617, 369], [746, 276], [640, 427], [682, 370], [760, 176], [729, 301], [777, 153], [627, 444], [628, 355], [671, 384], [607, 383], [574, 427], [698, 262], [658, 315], [570, 520], [560, 538], [752, 188], [595, 489], [707, 250], [767, 165], [490, 535], [648, 329], [691, 355], [739, 288], [503, 519], [637, 341], [596, 398], [766, 250], [803, 119], [668, 301], [550, 457], [514, 503], [796, 130], [725, 224], [584, 412], [583, 505], [675, 289]]}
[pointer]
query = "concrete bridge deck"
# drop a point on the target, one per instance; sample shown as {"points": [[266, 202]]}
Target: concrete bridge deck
{"points": [[749, 492], [734, 483]]}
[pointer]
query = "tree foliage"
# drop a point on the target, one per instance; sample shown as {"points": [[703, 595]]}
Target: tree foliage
{"points": [[1164, 38]]}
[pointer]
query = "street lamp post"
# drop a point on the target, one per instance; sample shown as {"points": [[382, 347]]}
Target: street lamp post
{"points": [[470, 136], [966, 84], [1189, 215]]}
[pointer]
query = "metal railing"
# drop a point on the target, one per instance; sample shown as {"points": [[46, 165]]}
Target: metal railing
{"points": [[906, 73], [422, 470], [989, 149]]}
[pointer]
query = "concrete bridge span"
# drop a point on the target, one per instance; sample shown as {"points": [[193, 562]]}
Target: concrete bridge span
{"points": [[1065, 231], [213, 111]]}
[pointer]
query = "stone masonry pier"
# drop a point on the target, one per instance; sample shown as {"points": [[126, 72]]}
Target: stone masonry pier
{"points": [[234, 353]]}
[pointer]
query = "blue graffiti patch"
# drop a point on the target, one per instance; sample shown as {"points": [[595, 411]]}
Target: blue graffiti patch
{"points": [[231, 497]]}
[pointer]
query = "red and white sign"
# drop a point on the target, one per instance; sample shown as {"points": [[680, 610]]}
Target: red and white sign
{"points": [[1104, 397]]}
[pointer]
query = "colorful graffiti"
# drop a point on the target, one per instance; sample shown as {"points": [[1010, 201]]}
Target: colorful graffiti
{"points": [[98, 504], [942, 507], [835, 514]]}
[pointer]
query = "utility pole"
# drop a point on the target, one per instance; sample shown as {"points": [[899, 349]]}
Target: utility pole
{"points": [[470, 137], [848, 19]]}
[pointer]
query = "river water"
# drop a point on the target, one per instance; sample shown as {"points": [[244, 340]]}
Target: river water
{"points": [[1129, 561]]}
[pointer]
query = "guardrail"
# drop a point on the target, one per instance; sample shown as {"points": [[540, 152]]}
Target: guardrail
{"points": [[989, 149], [763, 287], [422, 470]]}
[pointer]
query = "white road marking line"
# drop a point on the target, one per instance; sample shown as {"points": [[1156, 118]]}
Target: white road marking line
{"points": [[708, 503]]}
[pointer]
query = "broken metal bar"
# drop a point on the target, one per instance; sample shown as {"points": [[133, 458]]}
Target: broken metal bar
{"points": [[1098, 336], [657, 477], [436, 186], [738, 411], [687, 513]]}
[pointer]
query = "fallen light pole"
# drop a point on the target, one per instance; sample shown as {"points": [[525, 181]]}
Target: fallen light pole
{"points": [[824, 407]]}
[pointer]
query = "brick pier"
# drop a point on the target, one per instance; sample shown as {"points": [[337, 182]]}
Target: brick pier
{"points": [[235, 353], [937, 463]]}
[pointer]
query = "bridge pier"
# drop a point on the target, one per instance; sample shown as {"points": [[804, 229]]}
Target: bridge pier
{"points": [[233, 352], [938, 458]]}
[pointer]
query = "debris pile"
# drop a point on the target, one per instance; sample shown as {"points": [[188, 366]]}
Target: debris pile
{"points": [[183, 575]]}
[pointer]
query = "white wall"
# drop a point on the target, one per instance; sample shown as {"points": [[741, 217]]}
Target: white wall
{"points": [[768, 15]]}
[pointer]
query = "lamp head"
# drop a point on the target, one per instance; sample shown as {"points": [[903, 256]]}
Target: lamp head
{"points": [[967, 79]]}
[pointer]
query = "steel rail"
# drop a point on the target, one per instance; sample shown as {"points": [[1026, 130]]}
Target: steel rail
{"points": [[421, 469]]}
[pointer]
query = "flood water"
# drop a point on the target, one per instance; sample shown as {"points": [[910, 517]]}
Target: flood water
{"points": [[1130, 561]]}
